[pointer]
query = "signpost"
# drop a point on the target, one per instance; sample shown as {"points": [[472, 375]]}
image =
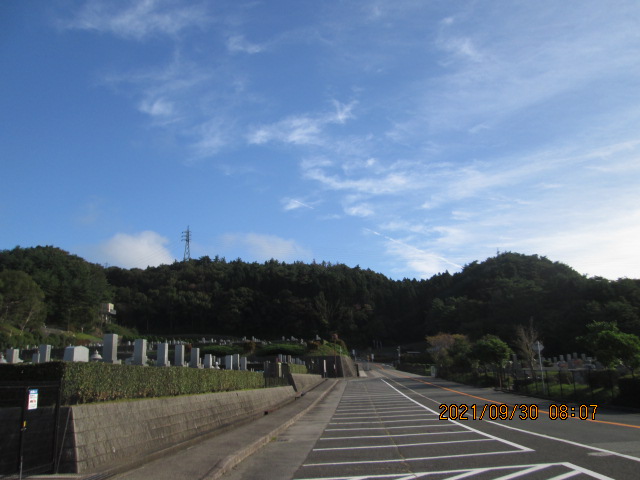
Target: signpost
{"points": [[538, 347], [32, 403]]}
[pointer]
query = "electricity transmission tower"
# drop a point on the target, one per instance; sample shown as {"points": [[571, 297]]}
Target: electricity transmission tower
{"points": [[186, 236]]}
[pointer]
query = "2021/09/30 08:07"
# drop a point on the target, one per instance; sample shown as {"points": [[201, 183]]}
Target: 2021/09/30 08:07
{"points": [[503, 411]]}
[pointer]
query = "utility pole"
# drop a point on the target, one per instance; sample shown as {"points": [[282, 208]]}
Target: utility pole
{"points": [[186, 236]]}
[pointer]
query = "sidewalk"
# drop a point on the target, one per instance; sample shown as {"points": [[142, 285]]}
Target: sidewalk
{"points": [[213, 456]]}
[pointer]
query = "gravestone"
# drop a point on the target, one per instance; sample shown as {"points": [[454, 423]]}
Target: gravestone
{"points": [[76, 354], [178, 358], [35, 358], [45, 353], [243, 363], [13, 355], [208, 361], [228, 362], [194, 361], [236, 361], [110, 348], [140, 352], [163, 355]]}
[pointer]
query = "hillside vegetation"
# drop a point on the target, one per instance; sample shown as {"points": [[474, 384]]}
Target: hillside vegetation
{"points": [[46, 285]]}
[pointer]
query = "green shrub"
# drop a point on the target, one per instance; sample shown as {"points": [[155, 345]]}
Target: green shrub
{"points": [[602, 378], [97, 382], [629, 392], [221, 350], [293, 349], [293, 368]]}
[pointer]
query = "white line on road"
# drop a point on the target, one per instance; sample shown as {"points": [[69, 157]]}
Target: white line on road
{"points": [[421, 444], [391, 428], [398, 435], [466, 473], [589, 447], [411, 459], [502, 440], [386, 421]]}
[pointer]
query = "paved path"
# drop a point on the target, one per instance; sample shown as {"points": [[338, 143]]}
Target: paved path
{"points": [[388, 426]]}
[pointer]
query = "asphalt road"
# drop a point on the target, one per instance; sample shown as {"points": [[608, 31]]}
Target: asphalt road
{"points": [[389, 426]]}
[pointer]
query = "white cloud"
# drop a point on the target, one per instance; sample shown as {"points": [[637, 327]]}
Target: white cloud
{"points": [[359, 210], [297, 130], [137, 19], [422, 263], [159, 108], [302, 129], [237, 43], [211, 137], [293, 204], [136, 251], [392, 183], [263, 247]]}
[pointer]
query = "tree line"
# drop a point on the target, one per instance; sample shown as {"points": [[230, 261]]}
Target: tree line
{"points": [[212, 295]]}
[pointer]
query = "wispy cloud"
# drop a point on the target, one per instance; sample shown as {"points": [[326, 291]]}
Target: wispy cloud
{"points": [[262, 247], [359, 210], [238, 43], [294, 204], [424, 263], [303, 129], [137, 19]]}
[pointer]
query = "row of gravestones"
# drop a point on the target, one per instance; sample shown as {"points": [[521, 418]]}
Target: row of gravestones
{"points": [[110, 351], [568, 361]]}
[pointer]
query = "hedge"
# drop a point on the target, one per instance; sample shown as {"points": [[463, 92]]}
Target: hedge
{"points": [[295, 368], [98, 382]]}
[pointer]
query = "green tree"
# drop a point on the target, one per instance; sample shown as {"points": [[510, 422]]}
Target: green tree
{"points": [[21, 300], [491, 351], [611, 346]]}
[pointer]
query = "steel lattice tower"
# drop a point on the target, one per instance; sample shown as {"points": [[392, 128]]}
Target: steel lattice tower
{"points": [[186, 236]]}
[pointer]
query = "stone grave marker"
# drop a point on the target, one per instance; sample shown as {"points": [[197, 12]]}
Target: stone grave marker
{"points": [[179, 359], [110, 348], [140, 352], [13, 355], [194, 361], [76, 354], [45, 353], [163, 355]]}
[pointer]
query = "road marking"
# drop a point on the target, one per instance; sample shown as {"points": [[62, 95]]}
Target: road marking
{"points": [[501, 403], [421, 444], [549, 437], [502, 440], [517, 471], [386, 428], [409, 459], [394, 435], [357, 422]]}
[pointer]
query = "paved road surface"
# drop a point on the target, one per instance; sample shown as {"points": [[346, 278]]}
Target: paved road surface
{"points": [[388, 426]]}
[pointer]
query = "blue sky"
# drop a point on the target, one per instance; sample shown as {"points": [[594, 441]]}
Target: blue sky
{"points": [[408, 137]]}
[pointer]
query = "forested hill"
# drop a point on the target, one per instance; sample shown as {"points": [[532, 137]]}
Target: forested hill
{"points": [[272, 299]]}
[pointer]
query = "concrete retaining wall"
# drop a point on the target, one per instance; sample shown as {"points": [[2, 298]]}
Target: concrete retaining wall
{"points": [[104, 435], [303, 382]]}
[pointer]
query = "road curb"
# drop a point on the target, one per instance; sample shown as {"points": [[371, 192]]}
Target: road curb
{"points": [[229, 462]]}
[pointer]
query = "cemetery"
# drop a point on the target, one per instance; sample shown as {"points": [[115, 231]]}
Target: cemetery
{"points": [[122, 400]]}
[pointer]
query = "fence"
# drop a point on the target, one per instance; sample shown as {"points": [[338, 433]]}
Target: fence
{"points": [[576, 385], [29, 421]]}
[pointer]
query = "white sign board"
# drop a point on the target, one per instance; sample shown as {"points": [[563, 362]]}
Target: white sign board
{"points": [[538, 346], [32, 404]]}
